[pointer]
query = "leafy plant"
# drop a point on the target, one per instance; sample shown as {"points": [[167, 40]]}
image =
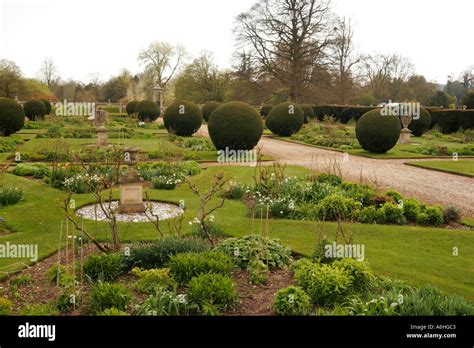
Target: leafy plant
{"points": [[106, 295], [292, 301], [359, 271], [5, 306], [104, 267], [165, 303], [112, 312], [10, 195], [150, 280]]}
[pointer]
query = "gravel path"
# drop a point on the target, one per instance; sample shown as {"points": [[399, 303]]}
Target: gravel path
{"points": [[426, 185]]}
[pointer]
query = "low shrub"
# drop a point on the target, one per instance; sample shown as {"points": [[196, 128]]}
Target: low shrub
{"points": [[104, 267], [106, 295], [411, 208], [377, 133], [34, 109], [209, 108], [392, 214], [359, 271], [12, 116], [131, 107], [5, 306], [380, 306], [56, 272], [215, 291], [430, 216], [285, 119], [188, 265], [165, 303], [183, 118], [330, 179], [112, 312], [36, 170], [292, 301], [369, 215], [422, 124], [147, 110], [10, 195], [153, 279], [337, 207], [163, 182]]}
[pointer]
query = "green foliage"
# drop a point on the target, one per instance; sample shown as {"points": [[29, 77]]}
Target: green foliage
{"points": [[34, 109], [308, 112], [39, 310], [245, 250], [392, 214], [370, 215], [10, 195], [9, 144], [292, 301], [104, 267], [12, 116], [422, 124], [430, 216], [380, 306], [322, 111], [106, 295], [354, 112], [468, 100], [150, 280], [330, 179], [131, 107], [337, 207], [285, 119], [209, 108], [440, 99], [265, 109], [112, 312], [236, 126], [216, 290], [448, 121], [5, 306], [56, 272], [377, 133], [165, 303], [183, 118], [188, 265], [411, 208], [36, 170], [47, 105], [157, 254], [359, 271], [147, 110], [149, 171]]}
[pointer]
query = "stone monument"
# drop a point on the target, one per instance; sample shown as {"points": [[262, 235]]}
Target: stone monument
{"points": [[100, 121], [131, 186], [405, 133]]}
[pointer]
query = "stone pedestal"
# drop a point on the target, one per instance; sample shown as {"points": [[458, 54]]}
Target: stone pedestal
{"points": [[131, 193], [405, 137], [102, 137]]}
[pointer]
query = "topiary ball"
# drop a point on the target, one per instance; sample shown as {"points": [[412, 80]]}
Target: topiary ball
{"points": [[468, 100], [308, 112], [265, 109], [236, 126], [377, 133], [183, 118], [148, 111], [131, 107], [208, 108], [285, 119], [34, 109], [12, 116], [422, 124], [48, 106]]}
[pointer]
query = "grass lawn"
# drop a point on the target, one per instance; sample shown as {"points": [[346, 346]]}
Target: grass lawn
{"points": [[465, 168], [418, 255]]}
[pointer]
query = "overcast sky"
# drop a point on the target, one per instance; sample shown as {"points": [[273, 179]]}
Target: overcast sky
{"points": [[104, 36]]}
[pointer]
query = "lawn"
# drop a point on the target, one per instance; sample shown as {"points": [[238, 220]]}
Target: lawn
{"points": [[418, 255], [465, 168]]}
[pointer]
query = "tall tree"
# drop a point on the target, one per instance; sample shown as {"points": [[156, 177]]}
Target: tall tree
{"points": [[48, 72], [11, 81], [288, 39]]}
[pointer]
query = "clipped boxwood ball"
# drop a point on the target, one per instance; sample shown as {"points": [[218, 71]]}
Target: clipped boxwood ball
{"points": [[48, 106], [12, 116], [265, 109], [421, 125], [183, 118], [377, 133], [285, 119], [148, 111], [34, 109], [236, 126], [208, 109], [308, 112], [131, 107]]}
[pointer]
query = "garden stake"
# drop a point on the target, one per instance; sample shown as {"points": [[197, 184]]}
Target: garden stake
{"points": [[82, 251], [73, 269], [67, 248], [266, 232], [59, 253]]}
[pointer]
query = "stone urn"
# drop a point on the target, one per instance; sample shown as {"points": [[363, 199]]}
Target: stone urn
{"points": [[405, 133], [102, 133], [131, 186]]}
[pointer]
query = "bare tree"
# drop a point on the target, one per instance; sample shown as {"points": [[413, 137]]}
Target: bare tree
{"points": [[48, 71], [287, 39]]}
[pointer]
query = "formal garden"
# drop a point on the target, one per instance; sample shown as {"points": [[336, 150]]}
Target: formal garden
{"points": [[135, 213]]}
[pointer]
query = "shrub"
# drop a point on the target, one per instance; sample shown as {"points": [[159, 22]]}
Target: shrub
{"points": [[10, 195], [131, 107], [466, 119], [265, 109], [308, 112], [336, 207], [34, 109], [36, 170], [158, 253], [236, 126], [112, 312], [468, 100], [47, 105], [188, 265], [165, 303], [244, 250], [106, 295], [369, 215], [5, 306], [440, 99], [153, 279], [362, 277], [215, 290], [209, 108], [56, 272], [330, 179], [12, 116], [322, 111], [147, 110], [411, 208], [183, 118], [422, 124], [392, 214], [377, 133], [292, 301], [448, 121], [326, 285], [285, 119], [431, 216], [104, 267], [380, 306], [452, 213], [354, 112]]}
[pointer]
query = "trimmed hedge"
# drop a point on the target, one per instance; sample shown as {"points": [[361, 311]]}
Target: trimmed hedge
{"points": [[236, 126], [183, 118], [308, 112], [450, 121], [34, 109], [12, 116], [265, 109], [377, 133], [285, 119], [48, 106], [434, 112], [148, 111], [320, 111], [468, 100], [131, 107], [354, 112], [342, 113], [421, 125], [209, 108]]}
